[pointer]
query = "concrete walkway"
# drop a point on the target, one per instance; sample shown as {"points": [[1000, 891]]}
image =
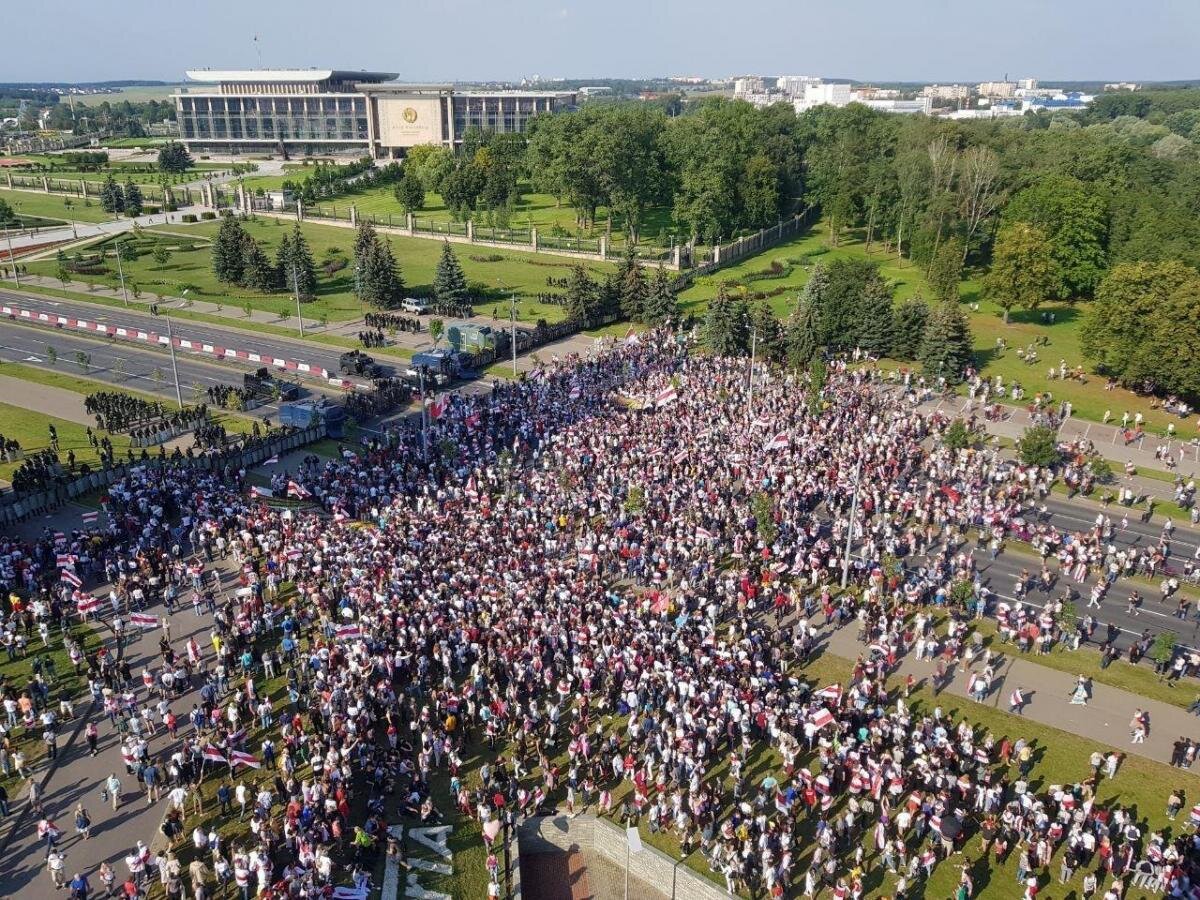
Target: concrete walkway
{"points": [[45, 398], [1105, 719], [87, 230]]}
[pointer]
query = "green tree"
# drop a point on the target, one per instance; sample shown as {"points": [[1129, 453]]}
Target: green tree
{"points": [[51, 354], [409, 190], [258, 273], [727, 325], [83, 360], [1038, 446], [161, 255], [174, 158], [296, 266], [661, 303], [1023, 272], [908, 328], [764, 517], [379, 276], [228, 251], [1132, 297], [958, 436], [132, 201], [945, 270], [112, 198], [449, 282], [946, 346], [855, 306], [582, 297], [7, 217], [768, 337], [436, 329], [803, 335], [1075, 221], [633, 289]]}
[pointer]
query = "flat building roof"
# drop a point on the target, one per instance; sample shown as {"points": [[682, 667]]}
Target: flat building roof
{"points": [[234, 76]]}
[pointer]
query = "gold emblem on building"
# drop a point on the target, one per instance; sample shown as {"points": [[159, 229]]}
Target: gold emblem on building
{"points": [[410, 115]]}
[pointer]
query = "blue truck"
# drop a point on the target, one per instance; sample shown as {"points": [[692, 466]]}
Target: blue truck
{"points": [[312, 412]]}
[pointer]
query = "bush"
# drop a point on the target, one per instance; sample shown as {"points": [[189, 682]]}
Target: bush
{"points": [[489, 258], [208, 216], [958, 436], [152, 210], [190, 217], [172, 207]]}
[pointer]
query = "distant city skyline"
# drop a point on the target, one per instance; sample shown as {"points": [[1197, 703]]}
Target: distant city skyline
{"points": [[472, 40]]}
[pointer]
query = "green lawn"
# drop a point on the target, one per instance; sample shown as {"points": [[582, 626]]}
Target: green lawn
{"points": [[133, 143], [17, 672], [54, 206], [490, 282], [31, 430], [534, 210], [797, 257]]}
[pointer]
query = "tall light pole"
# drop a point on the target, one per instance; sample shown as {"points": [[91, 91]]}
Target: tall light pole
{"points": [[753, 349], [12, 259], [174, 364], [121, 272], [850, 527], [512, 317], [296, 291]]}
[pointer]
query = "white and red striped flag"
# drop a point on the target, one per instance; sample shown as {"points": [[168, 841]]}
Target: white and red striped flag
{"points": [[348, 632], [778, 442], [145, 620], [705, 534], [631, 337], [666, 395], [295, 554], [71, 578], [271, 461], [212, 754], [59, 537], [87, 603], [437, 406], [66, 560], [90, 517], [471, 490], [821, 718], [261, 491], [679, 457], [238, 758], [237, 737], [299, 491], [833, 692]]}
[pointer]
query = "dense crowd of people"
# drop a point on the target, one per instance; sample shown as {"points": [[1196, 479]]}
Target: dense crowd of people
{"points": [[381, 322], [612, 574]]}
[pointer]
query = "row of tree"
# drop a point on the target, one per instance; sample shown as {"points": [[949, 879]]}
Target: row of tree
{"points": [[237, 258], [115, 198], [845, 306]]}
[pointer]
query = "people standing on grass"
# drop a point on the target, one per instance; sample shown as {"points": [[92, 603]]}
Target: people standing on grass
{"points": [[613, 574]]}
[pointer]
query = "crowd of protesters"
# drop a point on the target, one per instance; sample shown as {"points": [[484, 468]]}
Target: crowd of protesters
{"points": [[612, 574]]}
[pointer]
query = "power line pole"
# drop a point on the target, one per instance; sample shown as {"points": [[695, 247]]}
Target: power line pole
{"points": [[850, 528], [753, 348], [512, 312], [174, 366]]}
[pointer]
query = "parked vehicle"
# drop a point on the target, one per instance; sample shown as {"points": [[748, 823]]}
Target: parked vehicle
{"points": [[415, 305], [264, 384]]}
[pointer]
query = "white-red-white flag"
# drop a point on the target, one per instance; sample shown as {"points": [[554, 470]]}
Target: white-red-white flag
{"points": [[297, 490], [833, 692], [261, 491], [667, 395], [90, 517], [71, 578], [437, 406], [821, 718], [212, 754], [778, 442], [145, 620], [238, 758], [348, 632]]}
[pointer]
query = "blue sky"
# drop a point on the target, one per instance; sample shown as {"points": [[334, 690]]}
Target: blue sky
{"points": [[916, 40]]}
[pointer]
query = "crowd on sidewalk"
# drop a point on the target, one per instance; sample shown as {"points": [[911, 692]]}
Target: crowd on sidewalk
{"points": [[605, 580]]}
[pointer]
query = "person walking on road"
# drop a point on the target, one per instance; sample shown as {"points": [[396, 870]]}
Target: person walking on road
{"points": [[56, 861], [1137, 727], [1079, 696], [113, 786]]}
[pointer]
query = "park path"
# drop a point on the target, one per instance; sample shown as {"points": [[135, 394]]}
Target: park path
{"points": [[1104, 720], [44, 398]]}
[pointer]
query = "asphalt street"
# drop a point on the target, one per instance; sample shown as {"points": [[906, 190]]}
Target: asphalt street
{"points": [[234, 338]]}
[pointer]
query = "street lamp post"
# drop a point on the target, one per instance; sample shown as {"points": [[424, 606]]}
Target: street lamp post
{"points": [[12, 259], [850, 527], [174, 364], [121, 272], [296, 291], [512, 313], [753, 349]]}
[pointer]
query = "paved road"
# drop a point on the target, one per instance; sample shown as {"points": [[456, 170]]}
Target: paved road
{"points": [[233, 338], [115, 362]]}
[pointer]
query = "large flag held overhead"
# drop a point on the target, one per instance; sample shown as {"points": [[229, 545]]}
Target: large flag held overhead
{"points": [[145, 620], [261, 491], [348, 632], [212, 754], [71, 578], [299, 491], [437, 407], [667, 395], [90, 517], [778, 442]]}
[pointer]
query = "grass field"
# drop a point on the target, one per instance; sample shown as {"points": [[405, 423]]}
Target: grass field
{"points": [[133, 143], [489, 281], [30, 429], [533, 211], [141, 94], [54, 206]]}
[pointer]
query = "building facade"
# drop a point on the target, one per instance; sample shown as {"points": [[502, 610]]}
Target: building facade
{"points": [[328, 112]]}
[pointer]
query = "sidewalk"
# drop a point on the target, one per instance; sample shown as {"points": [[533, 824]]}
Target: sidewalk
{"points": [[1108, 440], [1105, 719]]}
